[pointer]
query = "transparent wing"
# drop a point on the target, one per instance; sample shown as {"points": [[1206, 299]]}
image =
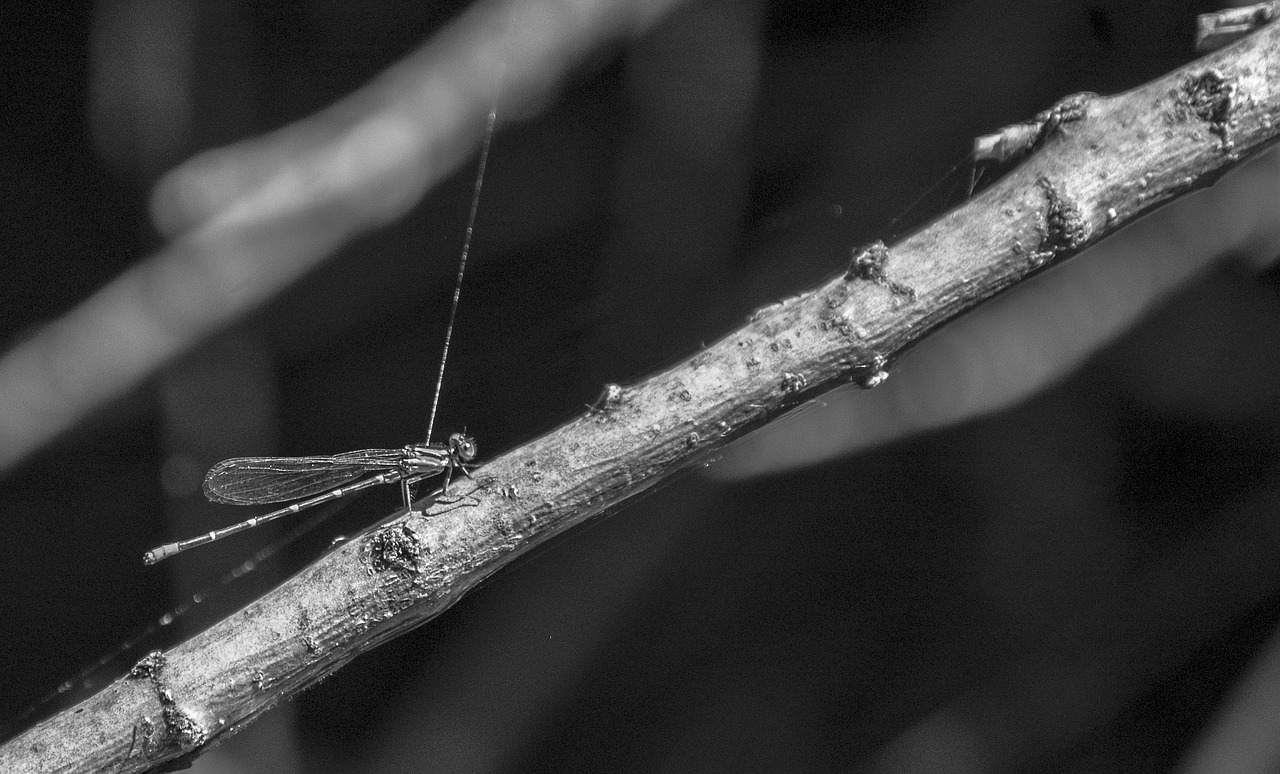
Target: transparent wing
{"points": [[256, 480]]}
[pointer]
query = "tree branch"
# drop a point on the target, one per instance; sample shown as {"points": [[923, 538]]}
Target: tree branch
{"points": [[1104, 162]]}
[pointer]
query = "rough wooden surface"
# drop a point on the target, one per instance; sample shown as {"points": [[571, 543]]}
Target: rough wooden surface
{"points": [[1105, 161]]}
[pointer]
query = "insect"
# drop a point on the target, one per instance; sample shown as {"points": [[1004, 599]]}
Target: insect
{"points": [[260, 480], [319, 479]]}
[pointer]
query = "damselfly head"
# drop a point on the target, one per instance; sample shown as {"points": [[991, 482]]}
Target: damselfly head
{"points": [[462, 446]]}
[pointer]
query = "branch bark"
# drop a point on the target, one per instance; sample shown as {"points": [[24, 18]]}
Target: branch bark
{"points": [[1104, 162]]}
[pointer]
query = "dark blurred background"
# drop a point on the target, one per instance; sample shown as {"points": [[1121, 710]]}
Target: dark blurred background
{"points": [[1074, 584]]}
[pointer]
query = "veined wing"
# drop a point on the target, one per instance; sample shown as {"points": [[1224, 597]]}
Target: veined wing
{"points": [[256, 480]]}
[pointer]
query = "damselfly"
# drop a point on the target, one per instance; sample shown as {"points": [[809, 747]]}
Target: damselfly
{"points": [[318, 479], [260, 480]]}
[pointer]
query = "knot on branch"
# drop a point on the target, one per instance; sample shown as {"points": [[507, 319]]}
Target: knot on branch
{"points": [[868, 263], [1209, 96], [181, 732], [1066, 229], [394, 548]]}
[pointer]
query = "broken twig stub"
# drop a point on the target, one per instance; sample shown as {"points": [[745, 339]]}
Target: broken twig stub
{"points": [[1018, 140], [1221, 28]]}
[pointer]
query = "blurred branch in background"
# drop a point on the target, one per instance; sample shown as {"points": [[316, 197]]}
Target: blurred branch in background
{"points": [[249, 219], [1244, 735], [1044, 705]]}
